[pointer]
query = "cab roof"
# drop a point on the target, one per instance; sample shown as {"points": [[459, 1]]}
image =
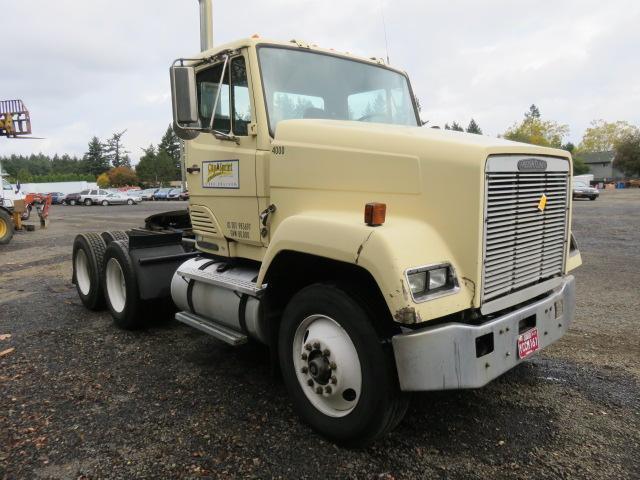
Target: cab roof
{"points": [[255, 41]]}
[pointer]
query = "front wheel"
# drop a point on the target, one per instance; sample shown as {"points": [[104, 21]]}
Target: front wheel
{"points": [[340, 376], [592, 198], [129, 202], [105, 203], [88, 202], [6, 227], [72, 202]]}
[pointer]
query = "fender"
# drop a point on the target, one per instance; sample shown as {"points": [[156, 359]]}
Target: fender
{"points": [[386, 252]]}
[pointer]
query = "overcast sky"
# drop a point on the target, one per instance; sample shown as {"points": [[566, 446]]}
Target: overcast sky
{"points": [[94, 67]]}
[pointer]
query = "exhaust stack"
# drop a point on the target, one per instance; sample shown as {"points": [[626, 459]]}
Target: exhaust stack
{"points": [[206, 24]]}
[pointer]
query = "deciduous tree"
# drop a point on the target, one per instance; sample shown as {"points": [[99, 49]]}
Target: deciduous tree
{"points": [[627, 156], [603, 136], [533, 129], [122, 177]]}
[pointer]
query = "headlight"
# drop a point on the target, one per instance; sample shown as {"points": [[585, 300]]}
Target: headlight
{"points": [[432, 281]]}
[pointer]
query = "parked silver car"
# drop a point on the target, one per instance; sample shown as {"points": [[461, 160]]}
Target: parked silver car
{"points": [[118, 199]]}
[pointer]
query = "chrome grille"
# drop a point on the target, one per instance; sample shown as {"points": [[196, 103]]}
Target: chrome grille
{"points": [[523, 245]]}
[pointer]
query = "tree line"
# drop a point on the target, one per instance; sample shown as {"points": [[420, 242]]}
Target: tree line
{"points": [[107, 163], [620, 138]]}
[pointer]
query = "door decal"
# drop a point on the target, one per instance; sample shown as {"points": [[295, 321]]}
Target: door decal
{"points": [[221, 174]]}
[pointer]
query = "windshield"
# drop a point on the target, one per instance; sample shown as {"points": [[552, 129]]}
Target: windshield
{"points": [[304, 84]]}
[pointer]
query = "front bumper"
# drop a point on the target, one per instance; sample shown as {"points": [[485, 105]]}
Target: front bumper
{"points": [[445, 357]]}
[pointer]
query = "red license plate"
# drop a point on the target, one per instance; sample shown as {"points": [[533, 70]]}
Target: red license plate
{"points": [[527, 343]]}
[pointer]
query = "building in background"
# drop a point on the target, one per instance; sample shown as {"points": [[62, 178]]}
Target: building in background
{"points": [[601, 166]]}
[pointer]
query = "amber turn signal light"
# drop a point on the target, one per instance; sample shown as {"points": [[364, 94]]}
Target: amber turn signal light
{"points": [[374, 214]]}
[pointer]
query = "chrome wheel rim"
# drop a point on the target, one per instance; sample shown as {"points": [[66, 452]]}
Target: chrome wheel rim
{"points": [[327, 365], [116, 286]]}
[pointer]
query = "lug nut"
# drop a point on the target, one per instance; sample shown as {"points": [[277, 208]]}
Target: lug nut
{"points": [[316, 345], [326, 352], [319, 390], [310, 382], [308, 347], [334, 380], [304, 369], [327, 389], [333, 366], [304, 356]]}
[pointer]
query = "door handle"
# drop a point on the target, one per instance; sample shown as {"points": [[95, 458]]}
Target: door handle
{"points": [[193, 169]]}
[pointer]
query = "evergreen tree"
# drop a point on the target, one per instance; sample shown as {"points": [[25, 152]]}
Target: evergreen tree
{"points": [[533, 112], [474, 127], [457, 127], [115, 152], [94, 161], [170, 144], [155, 168]]}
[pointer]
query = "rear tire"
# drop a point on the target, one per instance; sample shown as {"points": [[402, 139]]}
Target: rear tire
{"points": [[112, 236], [592, 198], [121, 291], [129, 202], [6, 227], [362, 370], [88, 253], [72, 202]]}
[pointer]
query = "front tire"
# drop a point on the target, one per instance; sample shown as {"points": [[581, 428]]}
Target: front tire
{"points": [[72, 202], [88, 202], [6, 227], [105, 203], [340, 376], [88, 252], [129, 202]]}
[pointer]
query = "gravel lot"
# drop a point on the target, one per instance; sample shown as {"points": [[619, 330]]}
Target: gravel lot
{"points": [[81, 399]]}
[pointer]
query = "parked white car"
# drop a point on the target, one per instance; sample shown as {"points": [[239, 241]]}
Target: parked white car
{"points": [[96, 195]]}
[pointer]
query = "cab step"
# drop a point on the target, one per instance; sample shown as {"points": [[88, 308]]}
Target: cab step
{"points": [[217, 330], [225, 280]]}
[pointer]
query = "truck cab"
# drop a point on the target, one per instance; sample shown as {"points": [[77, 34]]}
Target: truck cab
{"points": [[374, 256]]}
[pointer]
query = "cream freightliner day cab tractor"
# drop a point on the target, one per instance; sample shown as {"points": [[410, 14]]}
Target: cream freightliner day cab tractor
{"points": [[373, 256]]}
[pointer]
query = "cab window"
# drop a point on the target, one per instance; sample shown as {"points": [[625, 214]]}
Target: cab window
{"points": [[233, 111]]}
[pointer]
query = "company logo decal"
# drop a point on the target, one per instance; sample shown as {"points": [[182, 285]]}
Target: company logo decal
{"points": [[532, 164], [221, 174], [542, 204]]}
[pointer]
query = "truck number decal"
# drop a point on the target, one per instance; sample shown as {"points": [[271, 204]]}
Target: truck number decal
{"points": [[221, 174]]}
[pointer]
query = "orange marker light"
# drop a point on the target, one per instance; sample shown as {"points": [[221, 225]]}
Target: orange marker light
{"points": [[374, 214]]}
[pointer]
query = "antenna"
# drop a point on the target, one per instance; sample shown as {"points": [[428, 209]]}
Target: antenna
{"points": [[384, 28]]}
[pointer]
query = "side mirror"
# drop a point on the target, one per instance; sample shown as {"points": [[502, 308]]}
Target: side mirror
{"points": [[184, 102]]}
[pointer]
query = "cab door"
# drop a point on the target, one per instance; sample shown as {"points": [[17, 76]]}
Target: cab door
{"points": [[222, 166]]}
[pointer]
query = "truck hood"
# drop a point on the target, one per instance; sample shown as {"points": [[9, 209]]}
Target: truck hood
{"points": [[431, 181]]}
